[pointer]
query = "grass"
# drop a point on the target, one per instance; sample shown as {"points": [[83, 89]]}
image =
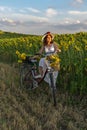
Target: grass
{"points": [[21, 109]]}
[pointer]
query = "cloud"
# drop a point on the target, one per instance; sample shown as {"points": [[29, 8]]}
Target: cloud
{"points": [[31, 20], [28, 20], [68, 28], [51, 12], [2, 8], [79, 1], [22, 11], [24, 17], [8, 22], [21, 15], [42, 27], [33, 10], [77, 12], [29, 10], [69, 21], [5, 9], [39, 27], [28, 17], [77, 21]]}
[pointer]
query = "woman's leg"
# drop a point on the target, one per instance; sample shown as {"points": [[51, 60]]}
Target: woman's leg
{"points": [[41, 70], [42, 66]]}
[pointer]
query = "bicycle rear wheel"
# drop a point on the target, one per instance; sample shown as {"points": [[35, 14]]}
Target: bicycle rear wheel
{"points": [[26, 78], [53, 88]]}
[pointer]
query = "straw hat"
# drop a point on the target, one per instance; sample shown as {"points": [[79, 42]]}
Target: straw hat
{"points": [[47, 33]]}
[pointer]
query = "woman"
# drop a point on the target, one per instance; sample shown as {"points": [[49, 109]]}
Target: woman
{"points": [[49, 47]]}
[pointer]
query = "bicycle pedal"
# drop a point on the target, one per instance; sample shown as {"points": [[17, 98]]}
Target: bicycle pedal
{"points": [[37, 76], [35, 84]]}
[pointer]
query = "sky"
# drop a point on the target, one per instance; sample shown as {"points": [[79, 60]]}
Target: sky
{"points": [[39, 16]]}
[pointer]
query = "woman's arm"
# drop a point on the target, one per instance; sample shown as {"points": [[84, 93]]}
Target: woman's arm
{"points": [[41, 50], [56, 47]]}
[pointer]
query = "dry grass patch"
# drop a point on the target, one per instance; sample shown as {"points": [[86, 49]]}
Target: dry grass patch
{"points": [[21, 109]]}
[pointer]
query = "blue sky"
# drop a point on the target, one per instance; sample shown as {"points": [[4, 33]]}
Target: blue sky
{"points": [[40, 16]]}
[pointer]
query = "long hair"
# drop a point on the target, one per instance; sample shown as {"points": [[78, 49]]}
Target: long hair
{"points": [[45, 39]]}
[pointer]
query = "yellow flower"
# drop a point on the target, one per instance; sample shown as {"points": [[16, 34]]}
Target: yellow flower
{"points": [[77, 48], [17, 52], [23, 56], [54, 61], [53, 58], [55, 66]]}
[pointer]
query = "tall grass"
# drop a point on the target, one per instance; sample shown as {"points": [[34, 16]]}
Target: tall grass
{"points": [[21, 109]]}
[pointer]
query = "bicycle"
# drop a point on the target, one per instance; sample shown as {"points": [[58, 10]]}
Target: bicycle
{"points": [[28, 72]]}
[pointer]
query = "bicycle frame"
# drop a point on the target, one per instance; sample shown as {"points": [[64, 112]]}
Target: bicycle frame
{"points": [[28, 76], [48, 70]]}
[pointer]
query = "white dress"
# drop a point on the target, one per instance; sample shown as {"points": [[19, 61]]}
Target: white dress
{"points": [[43, 63]]}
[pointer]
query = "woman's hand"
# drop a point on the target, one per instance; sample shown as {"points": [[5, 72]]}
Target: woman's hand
{"points": [[36, 55], [59, 50]]}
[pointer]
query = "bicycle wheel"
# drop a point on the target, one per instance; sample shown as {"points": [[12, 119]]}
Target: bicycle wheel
{"points": [[53, 87], [26, 78]]}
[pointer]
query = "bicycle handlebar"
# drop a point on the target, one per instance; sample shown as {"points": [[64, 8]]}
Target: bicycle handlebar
{"points": [[30, 58]]}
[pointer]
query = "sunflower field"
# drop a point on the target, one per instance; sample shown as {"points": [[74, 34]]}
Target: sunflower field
{"points": [[73, 57]]}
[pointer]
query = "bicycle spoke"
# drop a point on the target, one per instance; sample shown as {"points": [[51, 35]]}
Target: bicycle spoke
{"points": [[26, 77]]}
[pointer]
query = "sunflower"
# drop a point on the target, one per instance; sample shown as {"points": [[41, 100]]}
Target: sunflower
{"points": [[21, 56], [54, 61]]}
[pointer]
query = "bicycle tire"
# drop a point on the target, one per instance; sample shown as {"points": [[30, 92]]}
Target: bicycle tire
{"points": [[26, 78], [52, 87]]}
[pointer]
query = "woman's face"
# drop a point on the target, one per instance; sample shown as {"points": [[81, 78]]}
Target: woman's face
{"points": [[48, 38]]}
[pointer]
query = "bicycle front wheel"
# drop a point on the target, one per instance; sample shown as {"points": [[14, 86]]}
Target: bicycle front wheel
{"points": [[53, 87], [26, 78]]}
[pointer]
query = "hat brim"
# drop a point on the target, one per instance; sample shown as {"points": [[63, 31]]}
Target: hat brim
{"points": [[46, 35]]}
